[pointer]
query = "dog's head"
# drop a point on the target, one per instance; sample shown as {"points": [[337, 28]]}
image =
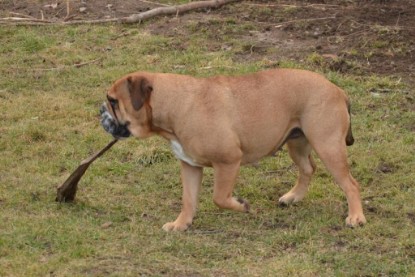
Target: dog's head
{"points": [[127, 110]]}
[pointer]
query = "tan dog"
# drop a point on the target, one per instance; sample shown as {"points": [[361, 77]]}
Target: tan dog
{"points": [[225, 122]]}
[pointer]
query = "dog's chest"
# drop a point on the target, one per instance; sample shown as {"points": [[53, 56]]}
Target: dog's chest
{"points": [[180, 154]]}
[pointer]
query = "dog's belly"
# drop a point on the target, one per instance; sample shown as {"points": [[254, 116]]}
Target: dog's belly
{"points": [[254, 147], [253, 155], [267, 143]]}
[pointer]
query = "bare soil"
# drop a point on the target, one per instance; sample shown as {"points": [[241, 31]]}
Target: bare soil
{"points": [[359, 37]]}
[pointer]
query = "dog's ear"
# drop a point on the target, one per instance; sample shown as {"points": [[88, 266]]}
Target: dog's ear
{"points": [[139, 89]]}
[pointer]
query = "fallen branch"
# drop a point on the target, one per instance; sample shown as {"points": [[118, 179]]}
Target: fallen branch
{"points": [[134, 18], [210, 4], [23, 20]]}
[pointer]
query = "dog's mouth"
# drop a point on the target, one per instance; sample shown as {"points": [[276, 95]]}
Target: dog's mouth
{"points": [[111, 124]]}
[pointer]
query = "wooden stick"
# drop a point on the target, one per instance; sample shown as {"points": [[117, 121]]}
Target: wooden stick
{"points": [[67, 191]]}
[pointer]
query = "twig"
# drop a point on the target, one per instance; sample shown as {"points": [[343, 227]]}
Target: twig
{"points": [[292, 6], [69, 17], [206, 232], [393, 27], [68, 9], [270, 5], [56, 13], [123, 34], [322, 5], [97, 21], [23, 23], [24, 19], [305, 19], [211, 67], [356, 33], [22, 15], [154, 3], [77, 65], [397, 21]]}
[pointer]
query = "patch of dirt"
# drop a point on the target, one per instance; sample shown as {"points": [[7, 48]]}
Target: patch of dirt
{"points": [[360, 37], [56, 10], [385, 167]]}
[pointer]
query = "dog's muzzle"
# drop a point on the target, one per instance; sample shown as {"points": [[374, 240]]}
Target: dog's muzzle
{"points": [[111, 125]]}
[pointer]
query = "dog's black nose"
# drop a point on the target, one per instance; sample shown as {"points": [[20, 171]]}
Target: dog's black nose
{"points": [[122, 132]]}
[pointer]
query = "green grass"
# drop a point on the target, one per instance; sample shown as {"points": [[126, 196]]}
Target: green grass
{"points": [[50, 122]]}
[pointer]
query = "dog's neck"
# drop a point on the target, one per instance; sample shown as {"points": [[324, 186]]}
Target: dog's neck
{"points": [[167, 134], [160, 125]]}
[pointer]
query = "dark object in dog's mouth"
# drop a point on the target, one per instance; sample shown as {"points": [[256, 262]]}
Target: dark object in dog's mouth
{"points": [[67, 191], [111, 124]]}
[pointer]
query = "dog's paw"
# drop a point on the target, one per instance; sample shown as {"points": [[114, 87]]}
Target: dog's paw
{"points": [[245, 205], [355, 220], [290, 198], [175, 226]]}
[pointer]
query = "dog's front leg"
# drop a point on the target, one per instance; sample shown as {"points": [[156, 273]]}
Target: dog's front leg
{"points": [[225, 177], [191, 179]]}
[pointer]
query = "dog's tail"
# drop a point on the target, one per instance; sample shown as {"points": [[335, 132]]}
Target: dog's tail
{"points": [[349, 137]]}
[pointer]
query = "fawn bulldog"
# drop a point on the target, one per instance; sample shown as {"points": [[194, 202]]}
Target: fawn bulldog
{"points": [[225, 122]]}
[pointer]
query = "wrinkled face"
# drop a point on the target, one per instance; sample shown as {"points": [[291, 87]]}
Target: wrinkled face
{"points": [[124, 112]]}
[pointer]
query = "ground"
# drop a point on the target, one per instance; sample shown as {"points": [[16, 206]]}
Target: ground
{"points": [[53, 80], [364, 36]]}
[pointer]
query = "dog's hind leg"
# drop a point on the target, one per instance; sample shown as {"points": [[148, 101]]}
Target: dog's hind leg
{"points": [[332, 152], [327, 128], [225, 177], [300, 152], [191, 179]]}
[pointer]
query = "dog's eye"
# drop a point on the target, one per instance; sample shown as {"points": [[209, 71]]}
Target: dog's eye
{"points": [[113, 102]]}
